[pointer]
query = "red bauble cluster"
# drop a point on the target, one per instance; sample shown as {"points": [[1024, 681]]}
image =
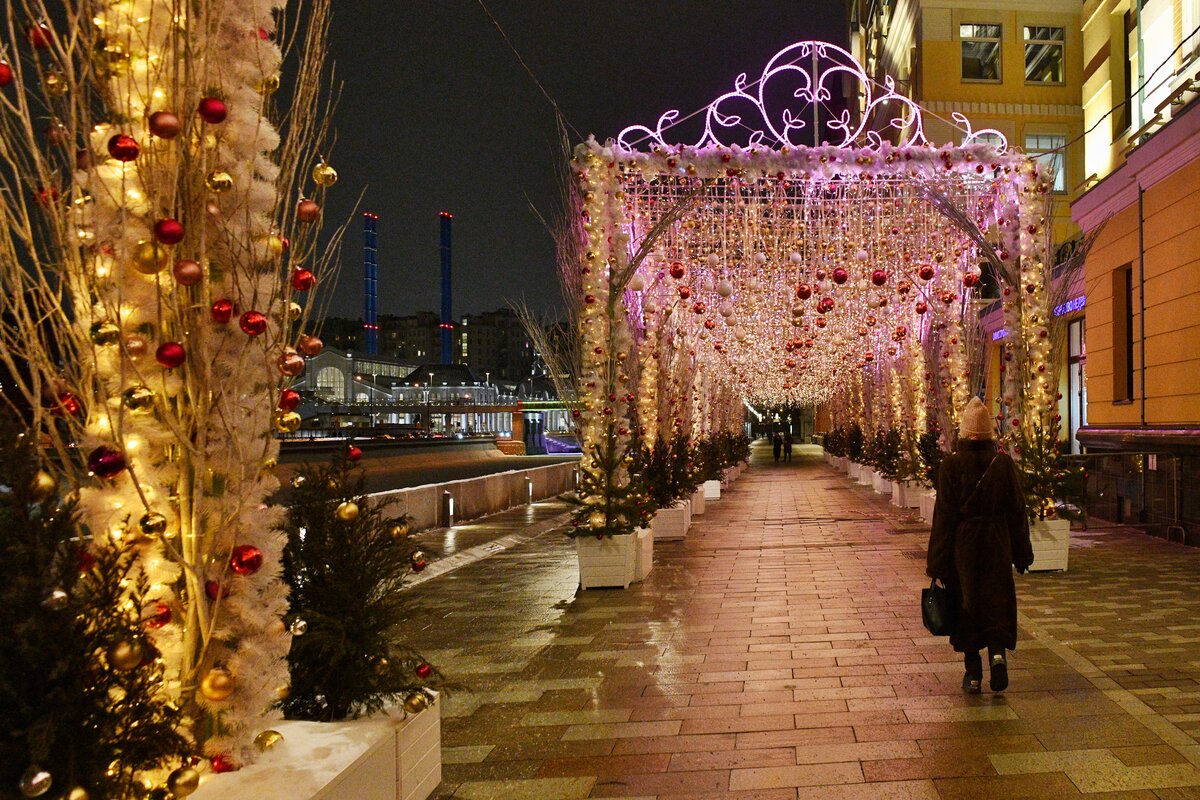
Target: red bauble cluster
{"points": [[245, 559]]}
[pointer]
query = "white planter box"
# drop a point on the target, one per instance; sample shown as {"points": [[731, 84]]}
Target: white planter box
{"points": [[697, 502], [852, 470], [712, 490], [912, 493], [880, 484], [865, 475], [645, 553], [687, 512], [607, 562], [928, 500], [1051, 539], [669, 523], [729, 475], [897, 494], [385, 757]]}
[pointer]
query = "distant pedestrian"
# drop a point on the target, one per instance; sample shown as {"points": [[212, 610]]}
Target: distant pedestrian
{"points": [[979, 530], [776, 446], [787, 446]]}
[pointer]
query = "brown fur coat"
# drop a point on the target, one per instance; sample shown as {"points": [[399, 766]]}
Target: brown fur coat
{"points": [[978, 535]]}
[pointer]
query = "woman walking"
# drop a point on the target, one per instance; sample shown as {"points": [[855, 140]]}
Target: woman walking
{"points": [[979, 530]]}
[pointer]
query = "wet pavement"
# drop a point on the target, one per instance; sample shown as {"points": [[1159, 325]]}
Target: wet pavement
{"points": [[778, 652]]}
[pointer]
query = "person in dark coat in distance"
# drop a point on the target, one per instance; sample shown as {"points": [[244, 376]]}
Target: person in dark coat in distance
{"points": [[776, 446], [980, 531], [787, 446]]}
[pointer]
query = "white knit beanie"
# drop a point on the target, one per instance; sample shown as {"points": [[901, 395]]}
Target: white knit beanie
{"points": [[976, 422]]}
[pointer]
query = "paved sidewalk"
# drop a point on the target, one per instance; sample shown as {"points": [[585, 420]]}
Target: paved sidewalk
{"points": [[778, 653]]}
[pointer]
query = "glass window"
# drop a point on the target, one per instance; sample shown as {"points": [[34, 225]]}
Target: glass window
{"points": [[1047, 148], [1044, 54], [980, 52]]}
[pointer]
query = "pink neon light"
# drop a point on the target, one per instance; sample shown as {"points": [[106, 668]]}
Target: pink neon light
{"points": [[817, 65]]}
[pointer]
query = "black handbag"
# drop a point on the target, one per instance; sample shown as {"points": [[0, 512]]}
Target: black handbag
{"points": [[939, 612]]}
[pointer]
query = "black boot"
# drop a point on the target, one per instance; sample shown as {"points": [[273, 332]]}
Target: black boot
{"points": [[974, 673], [999, 667]]}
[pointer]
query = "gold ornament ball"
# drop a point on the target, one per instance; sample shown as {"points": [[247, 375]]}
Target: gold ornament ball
{"points": [[287, 421], [347, 511], [217, 685], [283, 692], [382, 665], [398, 530], [183, 781], [35, 781], [42, 486], [269, 85], [105, 333], [138, 398], [149, 258], [78, 793], [218, 181], [56, 84], [294, 311], [152, 524], [416, 702], [136, 345], [267, 739], [324, 175], [125, 655]]}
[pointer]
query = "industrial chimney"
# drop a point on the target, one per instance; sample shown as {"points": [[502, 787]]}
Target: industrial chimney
{"points": [[370, 286], [447, 323]]}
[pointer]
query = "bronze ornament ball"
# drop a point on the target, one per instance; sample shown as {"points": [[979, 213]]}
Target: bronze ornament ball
{"points": [[218, 181], [42, 486], [347, 511], [124, 655], [267, 739], [183, 781], [217, 685]]}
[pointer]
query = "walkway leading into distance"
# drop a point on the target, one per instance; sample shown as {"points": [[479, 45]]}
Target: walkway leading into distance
{"points": [[778, 653]]}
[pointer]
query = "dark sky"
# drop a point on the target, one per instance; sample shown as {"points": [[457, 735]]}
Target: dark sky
{"points": [[437, 114]]}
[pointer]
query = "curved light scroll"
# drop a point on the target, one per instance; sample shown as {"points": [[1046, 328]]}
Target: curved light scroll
{"points": [[813, 67]]}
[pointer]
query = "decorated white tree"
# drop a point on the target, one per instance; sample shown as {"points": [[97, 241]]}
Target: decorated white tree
{"points": [[159, 231]]}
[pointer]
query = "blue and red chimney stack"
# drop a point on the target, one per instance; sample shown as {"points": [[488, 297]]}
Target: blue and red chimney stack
{"points": [[370, 285], [447, 323]]}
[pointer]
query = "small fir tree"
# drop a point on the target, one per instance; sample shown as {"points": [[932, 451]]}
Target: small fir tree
{"points": [[1054, 486], [346, 565], [82, 701], [854, 443], [611, 504], [930, 450]]}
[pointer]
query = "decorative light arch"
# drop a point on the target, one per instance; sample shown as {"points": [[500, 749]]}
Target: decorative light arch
{"points": [[770, 271]]}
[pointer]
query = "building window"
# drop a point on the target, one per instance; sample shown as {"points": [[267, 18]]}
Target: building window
{"points": [[980, 52], [331, 384], [1122, 317], [1191, 22], [1047, 148], [1044, 54]]}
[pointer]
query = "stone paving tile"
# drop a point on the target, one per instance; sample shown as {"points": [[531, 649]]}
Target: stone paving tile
{"points": [[777, 654]]}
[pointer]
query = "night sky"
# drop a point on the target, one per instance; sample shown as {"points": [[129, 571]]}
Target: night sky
{"points": [[437, 113]]}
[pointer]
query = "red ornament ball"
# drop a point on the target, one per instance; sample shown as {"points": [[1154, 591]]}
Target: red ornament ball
{"points": [[840, 276], [67, 404], [168, 231], [685, 292], [39, 36], [253, 323], [164, 124], [187, 272], [222, 763], [970, 279], [803, 291], [310, 345], [925, 272], [424, 670], [308, 211], [922, 308], [677, 270], [353, 453], [222, 311], [213, 590], [6, 73], [106, 462], [303, 280], [289, 399], [245, 559], [212, 110], [123, 147], [170, 355], [159, 616], [879, 277]]}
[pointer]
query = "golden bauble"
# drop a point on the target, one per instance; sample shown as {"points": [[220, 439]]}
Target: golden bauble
{"points": [[218, 181], [347, 511], [56, 83], [42, 486], [217, 685], [268, 85], [78, 793], [282, 692], [416, 702], [105, 333], [287, 421], [124, 655], [138, 398], [149, 257], [267, 739], [183, 781], [294, 311], [398, 530], [324, 175], [382, 665], [35, 781], [152, 524]]}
